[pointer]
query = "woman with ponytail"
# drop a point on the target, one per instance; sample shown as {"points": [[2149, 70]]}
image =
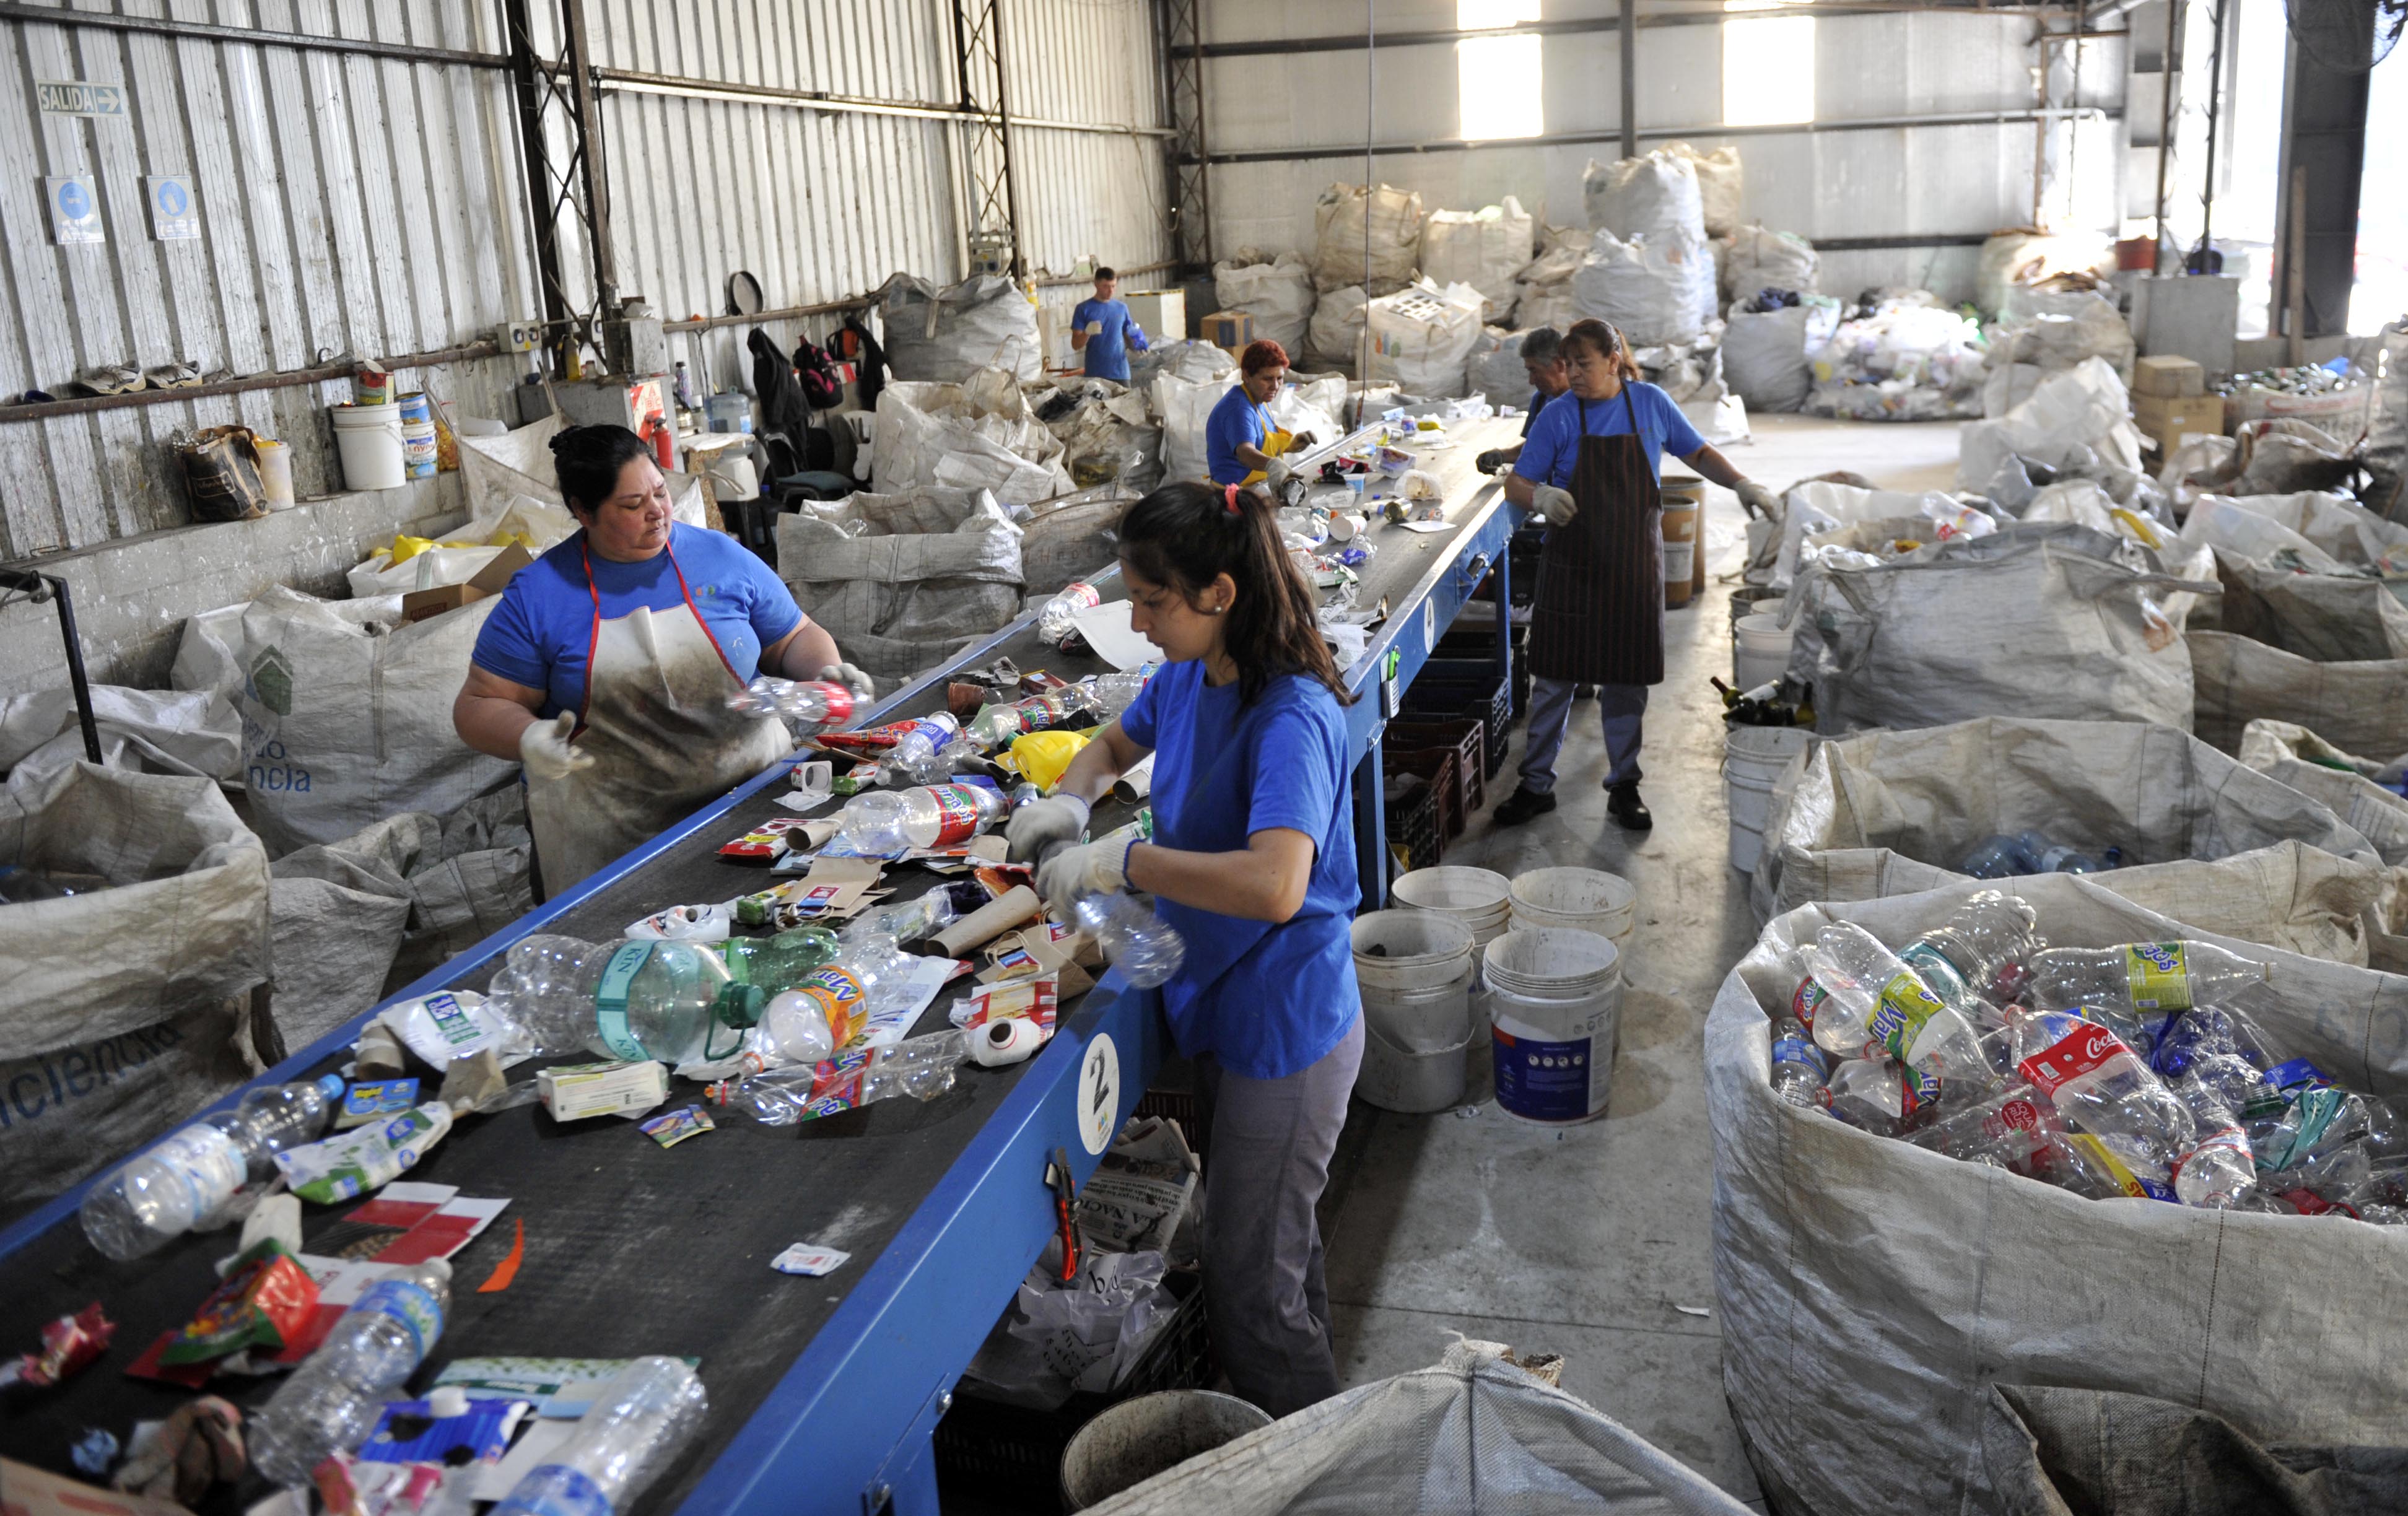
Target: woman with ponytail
{"points": [[1253, 860]]}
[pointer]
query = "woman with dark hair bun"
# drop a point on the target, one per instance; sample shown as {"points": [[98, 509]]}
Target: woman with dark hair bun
{"points": [[1252, 860], [1590, 470], [605, 668]]}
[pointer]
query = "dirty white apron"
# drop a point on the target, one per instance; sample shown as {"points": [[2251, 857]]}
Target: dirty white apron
{"points": [[656, 720]]}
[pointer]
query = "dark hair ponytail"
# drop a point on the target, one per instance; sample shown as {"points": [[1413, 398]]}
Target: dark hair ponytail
{"points": [[1185, 535], [586, 460]]}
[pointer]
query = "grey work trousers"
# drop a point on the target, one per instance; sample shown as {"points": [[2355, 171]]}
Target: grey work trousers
{"points": [[1264, 1174], [1619, 706]]}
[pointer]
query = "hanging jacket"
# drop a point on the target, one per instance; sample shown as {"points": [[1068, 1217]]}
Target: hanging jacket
{"points": [[785, 410], [869, 368]]}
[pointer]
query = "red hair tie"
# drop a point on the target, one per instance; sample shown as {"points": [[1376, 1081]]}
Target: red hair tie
{"points": [[1229, 494]]}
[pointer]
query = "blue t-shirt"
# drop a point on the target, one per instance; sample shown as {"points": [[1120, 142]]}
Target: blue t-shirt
{"points": [[1265, 1000], [1539, 399], [1107, 351], [1235, 420], [1554, 447], [541, 633]]}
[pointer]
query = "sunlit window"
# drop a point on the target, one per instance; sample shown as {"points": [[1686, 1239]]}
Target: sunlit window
{"points": [[1496, 78], [1768, 67]]}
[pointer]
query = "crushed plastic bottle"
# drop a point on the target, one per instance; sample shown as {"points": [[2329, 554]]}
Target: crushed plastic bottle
{"points": [[2099, 1089], [886, 823], [1801, 1073], [634, 1429], [919, 758], [333, 1399], [184, 1182], [1057, 623], [1145, 949], [1875, 999], [2219, 1168], [923, 1067], [810, 706], [667, 1002], [995, 726], [1115, 693], [2141, 976], [1962, 958]]}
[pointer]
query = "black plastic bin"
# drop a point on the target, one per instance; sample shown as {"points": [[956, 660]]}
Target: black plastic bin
{"points": [[1466, 690]]}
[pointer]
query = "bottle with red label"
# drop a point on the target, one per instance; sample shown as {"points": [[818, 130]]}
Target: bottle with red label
{"points": [[2099, 1089], [996, 725], [810, 706], [1057, 623]]}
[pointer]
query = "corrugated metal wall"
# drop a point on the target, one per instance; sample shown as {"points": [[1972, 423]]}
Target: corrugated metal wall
{"points": [[1902, 182], [377, 207], [347, 205]]}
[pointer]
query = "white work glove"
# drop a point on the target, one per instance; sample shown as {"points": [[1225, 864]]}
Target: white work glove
{"points": [[1276, 472], [1554, 505], [545, 749], [1758, 499], [1075, 873], [852, 678], [1042, 824]]}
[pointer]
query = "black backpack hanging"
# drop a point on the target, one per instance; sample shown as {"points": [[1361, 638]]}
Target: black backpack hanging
{"points": [[816, 372]]}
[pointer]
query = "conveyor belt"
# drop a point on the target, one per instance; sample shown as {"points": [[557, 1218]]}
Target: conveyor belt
{"points": [[821, 1390]]}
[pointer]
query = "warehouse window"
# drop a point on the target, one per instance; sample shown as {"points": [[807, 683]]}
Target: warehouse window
{"points": [[1496, 78], [1768, 67]]}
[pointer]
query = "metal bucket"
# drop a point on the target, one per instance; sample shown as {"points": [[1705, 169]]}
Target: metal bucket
{"points": [[1133, 1441]]}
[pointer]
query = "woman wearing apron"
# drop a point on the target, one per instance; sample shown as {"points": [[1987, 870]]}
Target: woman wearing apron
{"points": [[1253, 860], [1590, 470], [606, 666]]}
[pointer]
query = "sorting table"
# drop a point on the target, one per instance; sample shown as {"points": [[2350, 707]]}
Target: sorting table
{"points": [[823, 1392]]}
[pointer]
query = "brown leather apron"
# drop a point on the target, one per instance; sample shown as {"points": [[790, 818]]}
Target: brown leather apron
{"points": [[1598, 614]]}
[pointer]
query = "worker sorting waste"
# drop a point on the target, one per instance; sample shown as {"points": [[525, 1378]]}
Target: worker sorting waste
{"points": [[1102, 331], [605, 668], [1242, 445]]}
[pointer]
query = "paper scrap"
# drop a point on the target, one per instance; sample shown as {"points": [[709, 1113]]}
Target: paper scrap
{"points": [[811, 1259], [561, 1387], [1427, 526], [672, 1127], [1693, 1310], [1106, 628]]}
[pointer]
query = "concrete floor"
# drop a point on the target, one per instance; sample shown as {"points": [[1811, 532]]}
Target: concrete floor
{"points": [[1593, 1241]]}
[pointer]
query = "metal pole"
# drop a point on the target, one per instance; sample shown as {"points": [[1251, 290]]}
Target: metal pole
{"points": [[1628, 47], [2208, 262], [2165, 130], [527, 89], [1003, 141], [597, 179], [50, 586]]}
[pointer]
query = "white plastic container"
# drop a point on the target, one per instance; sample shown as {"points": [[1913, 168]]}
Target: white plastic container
{"points": [[1576, 899], [1417, 1017], [276, 473], [1752, 758], [368, 437], [1554, 1010], [1480, 899], [1759, 650]]}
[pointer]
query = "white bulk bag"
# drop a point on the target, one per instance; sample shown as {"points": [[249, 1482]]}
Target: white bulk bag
{"points": [[1872, 1291], [1495, 370], [1545, 284], [126, 1009], [1815, 507], [1366, 237], [2064, 331], [2361, 706], [2343, 782], [1485, 249], [511, 487], [1277, 293], [1185, 407], [2050, 622], [933, 436], [150, 731], [1335, 335], [1721, 187], [1934, 795], [1764, 353], [2387, 425], [946, 335], [2332, 617], [901, 580], [2071, 419], [1766, 260], [1654, 194], [2325, 533], [1421, 337], [1659, 288], [346, 711], [535, 524]]}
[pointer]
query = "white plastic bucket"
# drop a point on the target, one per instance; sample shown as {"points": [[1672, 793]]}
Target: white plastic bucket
{"points": [[1576, 899], [1680, 562], [368, 438], [1752, 758], [1480, 899], [1759, 649], [1554, 1008], [1398, 1076], [1417, 1017]]}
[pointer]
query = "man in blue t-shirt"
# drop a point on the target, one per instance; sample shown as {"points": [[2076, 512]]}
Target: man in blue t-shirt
{"points": [[1542, 359], [1103, 330]]}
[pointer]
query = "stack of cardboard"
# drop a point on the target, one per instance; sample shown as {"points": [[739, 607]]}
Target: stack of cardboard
{"points": [[2170, 401]]}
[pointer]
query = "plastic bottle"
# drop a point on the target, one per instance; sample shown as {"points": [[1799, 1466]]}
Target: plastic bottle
{"points": [[779, 963], [2100, 1088], [2006, 1131], [333, 1399], [1865, 1092], [1145, 949], [1875, 999], [923, 1067], [1056, 624], [811, 705], [996, 725], [634, 1429], [2141, 976], [1116, 692], [1999, 856], [1801, 1073], [185, 1180], [943, 815], [669, 1002], [917, 758], [2219, 1168], [1962, 958]]}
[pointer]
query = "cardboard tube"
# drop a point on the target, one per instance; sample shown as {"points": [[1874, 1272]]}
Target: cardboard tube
{"points": [[1137, 783], [1016, 907]]}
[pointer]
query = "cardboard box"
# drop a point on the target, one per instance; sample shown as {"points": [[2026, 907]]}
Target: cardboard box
{"points": [[1162, 314], [2167, 420], [573, 1091], [1229, 329], [2168, 376], [421, 605]]}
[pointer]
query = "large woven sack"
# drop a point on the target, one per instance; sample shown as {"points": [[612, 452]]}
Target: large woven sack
{"points": [[1495, 371], [936, 437], [2075, 417], [1654, 194], [1472, 1436], [2324, 532], [1334, 337], [2361, 706], [1872, 1291], [1764, 353], [1721, 186], [509, 486], [2332, 617], [1185, 407], [2343, 782], [125, 1010], [1935, 793], [1421, 337], [946, 335], [1486, 248], [1071, 538], [1277, 293], [154, 731], [1366, 239], [900, 580], [346, 710], [1761, 258], [2386, 428], [1657, 287], [2048, 623]]}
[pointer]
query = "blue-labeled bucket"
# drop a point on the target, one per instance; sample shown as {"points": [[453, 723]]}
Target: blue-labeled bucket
{"points": [[1554, 1008]]}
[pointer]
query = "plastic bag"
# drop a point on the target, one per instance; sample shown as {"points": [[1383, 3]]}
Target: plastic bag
{"points": [[1056, 1340]]}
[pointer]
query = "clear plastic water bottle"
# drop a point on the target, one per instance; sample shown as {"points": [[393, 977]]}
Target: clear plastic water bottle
{"points": [[2100, 1088], [669, 1002], [1056, 622], [1866, 1092], [1116, 692], [2006, 1131], [1145, 949], [996, 725], [1876, 998], [184, 1181], [919, 758], [1999, 856], [811, 706], [635, 1427], [333, 1399], [2141, 976], [2219, 1168], [1962, 958], [1801, 1073], [2048, 857]]}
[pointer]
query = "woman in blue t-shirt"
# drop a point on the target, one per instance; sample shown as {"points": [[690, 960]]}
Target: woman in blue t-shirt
{"points": [[605, 668], [1253, 860]]}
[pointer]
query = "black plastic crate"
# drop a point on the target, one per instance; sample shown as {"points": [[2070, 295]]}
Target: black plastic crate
{"points": [[1469, 741], [1184, 1107], [1010, 1457], [1415, 837], [1473, 639], [1465, 689], [1438, 766]]}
